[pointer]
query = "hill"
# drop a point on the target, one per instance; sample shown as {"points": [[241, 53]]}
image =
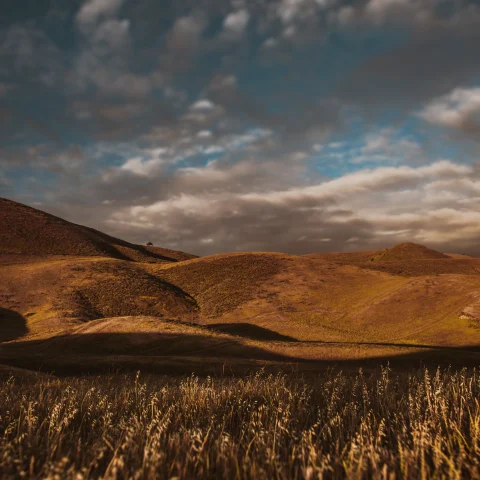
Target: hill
{"points": [[313, 300], [287, 303], [55, 294], [145, 336], [26, 230], [408, 252], [406, 259], [247, 306]]}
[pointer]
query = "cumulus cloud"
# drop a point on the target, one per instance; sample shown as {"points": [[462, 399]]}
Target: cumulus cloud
{"points": [[236, 22], [184, 41], [93, 10], [458, 110], [364, 206], [203, 104]]}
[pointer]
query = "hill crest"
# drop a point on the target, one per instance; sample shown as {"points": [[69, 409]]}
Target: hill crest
{"points": [[408, 251], [27, 230]]}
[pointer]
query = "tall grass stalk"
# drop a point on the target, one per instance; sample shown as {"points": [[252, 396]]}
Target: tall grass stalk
{"points": [[382, 426]]}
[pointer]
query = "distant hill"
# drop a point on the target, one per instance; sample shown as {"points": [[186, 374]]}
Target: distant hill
{"points": [[406, 259], [408, 251], [26, 230]]}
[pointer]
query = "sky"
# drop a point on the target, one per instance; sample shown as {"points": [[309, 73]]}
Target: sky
{"points": [[212, 126]]}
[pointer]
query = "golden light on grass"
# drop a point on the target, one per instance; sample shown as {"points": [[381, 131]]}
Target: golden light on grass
{"points": [[386, 425]]}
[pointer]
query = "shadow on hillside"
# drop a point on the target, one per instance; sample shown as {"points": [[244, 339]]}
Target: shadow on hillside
{"points": [[141, 344], [110, 244], [469, 348], [181, 354], [12, 325], [251, 331]]}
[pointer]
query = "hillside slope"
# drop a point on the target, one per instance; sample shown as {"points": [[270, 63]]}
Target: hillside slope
{"points": [[26, 230], [311, 299], [405, 259], [56, 294], [62, 280], [265, 296]]}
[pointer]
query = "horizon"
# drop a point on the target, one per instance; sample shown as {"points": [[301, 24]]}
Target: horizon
{"points": [[296, 126], [389, 247]]}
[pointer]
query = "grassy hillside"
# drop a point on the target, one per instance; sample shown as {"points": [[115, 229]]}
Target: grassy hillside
{"points": [[405, 301], [406, 259], [311, 299], [56, 294], [294, 305], [26, 230], [220, 283], [141, 336]]}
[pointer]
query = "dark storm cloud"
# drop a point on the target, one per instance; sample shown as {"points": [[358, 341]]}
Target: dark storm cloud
{"points": [[428, 65]]}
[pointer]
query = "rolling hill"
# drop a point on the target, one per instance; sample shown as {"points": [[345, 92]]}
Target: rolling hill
{"points": [[90, 299], [26, 230], [406, 259]]}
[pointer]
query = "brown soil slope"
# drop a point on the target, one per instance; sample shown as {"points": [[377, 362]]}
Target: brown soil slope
{"points": [[26, 230]]}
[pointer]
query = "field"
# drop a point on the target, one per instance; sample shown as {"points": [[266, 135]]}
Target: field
{"points": [[383, 425]]}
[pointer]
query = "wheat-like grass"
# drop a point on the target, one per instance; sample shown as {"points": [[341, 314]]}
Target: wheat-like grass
{"points": [[381, 426]]}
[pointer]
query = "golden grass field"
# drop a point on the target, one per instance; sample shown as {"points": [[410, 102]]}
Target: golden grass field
{"points": [[361, 426]]}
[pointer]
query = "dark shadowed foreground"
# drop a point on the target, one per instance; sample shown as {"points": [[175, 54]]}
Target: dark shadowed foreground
{"points": [[422, 425]]}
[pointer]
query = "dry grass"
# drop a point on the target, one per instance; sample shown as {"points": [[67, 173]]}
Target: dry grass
{"points": [[424, 425], [406, 252], [123, 289], [220, 283], [57, 294], [307, 299], [406, 259], [315, 300]]}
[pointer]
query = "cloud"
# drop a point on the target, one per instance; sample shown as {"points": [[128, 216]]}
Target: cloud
{"points": [[112, 34], [5, 88], [94, 10], [412, 73], [375, 207], [457, 110], [236, 22], [203, 104], [183, 42], [420, 14], [204, 134], [388, 146], [28, 54], [185, 135], [435, 52], [137, 166]]}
